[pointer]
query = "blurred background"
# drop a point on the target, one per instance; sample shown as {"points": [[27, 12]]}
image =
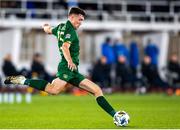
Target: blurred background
{"points": [[126, 45]]}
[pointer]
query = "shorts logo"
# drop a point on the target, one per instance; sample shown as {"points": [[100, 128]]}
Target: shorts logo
{"points": [[68, 35], [65, 76]]}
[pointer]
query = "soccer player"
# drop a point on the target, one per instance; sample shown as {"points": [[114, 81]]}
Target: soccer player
{"points": [[68, 74]]}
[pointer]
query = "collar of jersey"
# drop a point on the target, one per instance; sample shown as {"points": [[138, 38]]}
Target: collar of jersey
{"points": [[70, 24]]}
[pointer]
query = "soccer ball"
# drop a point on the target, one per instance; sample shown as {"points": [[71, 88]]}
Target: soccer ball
{"points": [[121, 118]]}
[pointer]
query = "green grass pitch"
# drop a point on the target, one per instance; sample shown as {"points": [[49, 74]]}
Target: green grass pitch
{"points": [[67, 111]]}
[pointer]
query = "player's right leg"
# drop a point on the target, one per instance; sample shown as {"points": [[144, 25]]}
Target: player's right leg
{"points": [[96, 90], [101, 100], [52, 88]]}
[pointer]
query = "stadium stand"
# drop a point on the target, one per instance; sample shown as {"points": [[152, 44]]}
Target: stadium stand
{"points": [[123, 10]]}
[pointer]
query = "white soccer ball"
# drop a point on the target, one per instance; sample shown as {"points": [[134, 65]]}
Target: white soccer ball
{"points": [[121, 118]]}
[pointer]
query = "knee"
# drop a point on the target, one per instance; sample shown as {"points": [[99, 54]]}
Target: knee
{"points": [[51, 89], [97, 91], [55, 92]]}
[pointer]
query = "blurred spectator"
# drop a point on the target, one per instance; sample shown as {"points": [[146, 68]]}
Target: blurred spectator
{"points": [[150, 72], [125, 76], [137, 77], [38, 69], [108, 51], [8, 67], [121, 50], [174, 68], [101, 73], [123, 72], [152, 51], [134, 57]]}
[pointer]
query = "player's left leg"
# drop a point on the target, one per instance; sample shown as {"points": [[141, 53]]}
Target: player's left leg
{"points": [[96, 90]]}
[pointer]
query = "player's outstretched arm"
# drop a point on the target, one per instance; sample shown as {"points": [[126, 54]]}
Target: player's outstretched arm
{"points": [[47, 28]]}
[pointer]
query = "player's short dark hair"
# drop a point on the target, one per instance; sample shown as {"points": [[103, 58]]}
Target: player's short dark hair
{"points": [[76, 10]]}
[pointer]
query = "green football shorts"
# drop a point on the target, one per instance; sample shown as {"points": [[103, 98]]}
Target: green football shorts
{"points": [[72, 77]]}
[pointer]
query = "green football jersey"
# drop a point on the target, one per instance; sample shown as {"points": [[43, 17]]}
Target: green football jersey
{"points": [[65, 32]]}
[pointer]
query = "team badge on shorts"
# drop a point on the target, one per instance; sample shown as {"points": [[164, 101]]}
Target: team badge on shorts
{"points": [[65, 76]]}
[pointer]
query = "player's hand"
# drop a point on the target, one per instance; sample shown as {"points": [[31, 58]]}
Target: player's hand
{"points": [[47, 28], [71, 66]]}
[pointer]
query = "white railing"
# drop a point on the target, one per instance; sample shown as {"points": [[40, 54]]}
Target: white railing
{"points": [[123, 14]]}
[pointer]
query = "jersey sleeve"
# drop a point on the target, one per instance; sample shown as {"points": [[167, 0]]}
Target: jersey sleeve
{"points": [[68, 36], [54, 30]]}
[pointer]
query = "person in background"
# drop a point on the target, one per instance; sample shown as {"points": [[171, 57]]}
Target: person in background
{"points": [[152, 51], [120, 49], [150, 72], [37, 68], [123, 72], [101, 67], [134, 57], [8, 67], [137, 79], [107, 50], [174, 67]]}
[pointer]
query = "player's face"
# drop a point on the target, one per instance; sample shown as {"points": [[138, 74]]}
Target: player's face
{"points": [[78, 19]]}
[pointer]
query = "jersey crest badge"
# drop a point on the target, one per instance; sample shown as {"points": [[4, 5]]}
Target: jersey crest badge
{"points": [[68, 35]]}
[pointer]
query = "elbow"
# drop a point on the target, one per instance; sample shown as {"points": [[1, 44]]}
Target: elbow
{"points": [[64, 47]]}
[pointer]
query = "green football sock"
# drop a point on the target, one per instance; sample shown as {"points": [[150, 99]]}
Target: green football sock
{"points": [[105, 105], [36, 83]]}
